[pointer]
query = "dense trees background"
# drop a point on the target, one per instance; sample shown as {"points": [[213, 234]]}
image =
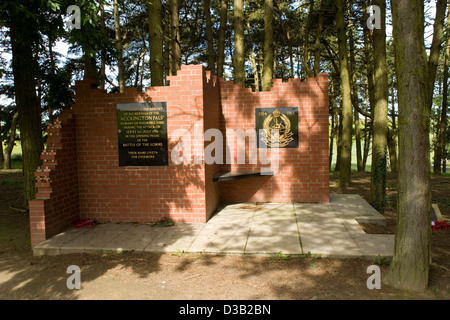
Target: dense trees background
{"points": [[140, 42]]}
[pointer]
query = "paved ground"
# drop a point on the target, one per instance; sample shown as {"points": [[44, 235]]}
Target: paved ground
{"points": [[331, 230]]}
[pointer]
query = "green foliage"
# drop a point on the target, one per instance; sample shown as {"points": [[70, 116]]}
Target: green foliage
{"points": [[280, 256]]}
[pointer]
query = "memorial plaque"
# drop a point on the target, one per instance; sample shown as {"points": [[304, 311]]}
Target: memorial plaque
{"points": [[285, 120], [142, 134]]}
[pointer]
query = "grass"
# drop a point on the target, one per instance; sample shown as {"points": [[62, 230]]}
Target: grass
{"points": [[16, 156]]}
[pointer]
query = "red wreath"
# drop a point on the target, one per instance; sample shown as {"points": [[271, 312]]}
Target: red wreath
{"points": [[84, 223], [440, 225]]}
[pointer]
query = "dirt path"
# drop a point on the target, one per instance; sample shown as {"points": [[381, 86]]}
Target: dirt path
{"points": [[194, 276]]}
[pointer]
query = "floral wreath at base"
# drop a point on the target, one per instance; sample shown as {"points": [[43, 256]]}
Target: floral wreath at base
{"points": [[439, 225], [84, 223]]}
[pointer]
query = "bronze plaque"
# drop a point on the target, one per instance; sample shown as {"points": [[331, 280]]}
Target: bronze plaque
{"points": [[277, 125], [142, 134]]}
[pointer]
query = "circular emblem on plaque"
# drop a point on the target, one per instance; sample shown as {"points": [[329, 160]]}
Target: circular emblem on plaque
{"points": [[277, 130]]}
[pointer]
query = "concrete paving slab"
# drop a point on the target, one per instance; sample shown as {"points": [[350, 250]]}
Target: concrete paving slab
{"points": [[282, 228], [355, 207], [375, 245], [245, 228], [52, 245], [95, 239], [226, 229], [305, 212], [177, 237], [288, 244], [138, 237], [221, 243]]}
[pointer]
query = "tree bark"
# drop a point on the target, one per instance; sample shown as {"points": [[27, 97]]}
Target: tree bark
{"points": [[436, 44], [442, 126], [368, 49], [239, 59], [379, 114], [209, 38], [221, 44], [176, 42], [411, 261], [346, 100], [119, 47], [267, 74], [318, 38], [156, 43], [23, 32], [103, 51], [392, 139], [11, 142], [354, 94], [306, 55]]}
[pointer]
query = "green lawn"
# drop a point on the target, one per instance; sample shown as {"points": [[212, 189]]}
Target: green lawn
{"points": [[16, 156]]}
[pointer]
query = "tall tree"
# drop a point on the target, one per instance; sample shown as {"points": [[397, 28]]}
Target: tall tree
{"points": [[439, 150], [379, 114], [23, 25], [306, 33], [346, 99], [209, 38], [221, 44], [176, 47], [436, 44], [267, 72], [318, 38], [239, 58], [156, 43], [11, 142], [411, 261], [119, 47]]}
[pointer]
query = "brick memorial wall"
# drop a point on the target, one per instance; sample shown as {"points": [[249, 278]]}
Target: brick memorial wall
{"points": [[141, 156]]}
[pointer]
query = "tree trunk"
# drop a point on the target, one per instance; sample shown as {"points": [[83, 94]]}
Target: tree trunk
{"points": [[392, 145], [255, 68], [176, 42], [306, 55], [266, 80], [411, 261], [368, 49], [436, 44], [221, 44], [156, 43], [119, 47], [442, 126], [392, 139], [23, 32], [367, 142], [354, 94], [209, 38], [346, 101], [379, 114], [318, 38], [11, 142], [103, 51], [239, 59], [53, 71]]}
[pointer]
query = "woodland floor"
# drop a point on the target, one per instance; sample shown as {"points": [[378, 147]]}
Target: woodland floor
{"points": [[133, 275]]}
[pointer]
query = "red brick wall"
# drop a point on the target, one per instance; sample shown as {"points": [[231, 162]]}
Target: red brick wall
{"points": [[81, 177], [56, 204], [141, 194], [303, 174]]}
